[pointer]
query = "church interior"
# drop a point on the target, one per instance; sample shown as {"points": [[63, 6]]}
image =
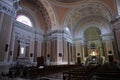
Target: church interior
{"points": [[59, 40]]}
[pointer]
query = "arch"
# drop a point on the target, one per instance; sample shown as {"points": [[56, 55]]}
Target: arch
{"points": [[68, 3], [47, 5], [77, 11], [92, 33], [67, 29], [80, 32], [28, 12], [96, 21]]}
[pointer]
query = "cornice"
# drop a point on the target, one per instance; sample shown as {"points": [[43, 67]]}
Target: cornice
{"points": [[115, 22], [26, 27], [31, 33], [58, 34], [52, 32], [9, 7], [107, 37]]}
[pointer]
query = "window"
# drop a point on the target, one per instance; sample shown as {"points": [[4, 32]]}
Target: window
{"points": [[25, 20], [22, 50], [67, 29]]}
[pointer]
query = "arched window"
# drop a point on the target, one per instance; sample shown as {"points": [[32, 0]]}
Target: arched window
{"points": [[24, 19], [118, 6], [67, 29]]}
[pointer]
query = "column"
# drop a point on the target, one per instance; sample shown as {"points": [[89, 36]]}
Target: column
{"points": [[104, 49], [54, 52], [108, 49], [117, 38], [7, 15], [68, 53], [115, 50], [84, 51], [60, 45], [16, 48], [1, 20], [27, 53], [84, 48], [11, 53], [35, 50], [32, 43], [39, 49], [48, 53], [74, 53], [65, 52], [43, 48], [5, 36], [71, 59]]}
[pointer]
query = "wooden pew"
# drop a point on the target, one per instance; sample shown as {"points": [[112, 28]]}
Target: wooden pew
{"points": [[108, 72], [108, 76], [81, 73], [74, 75]]}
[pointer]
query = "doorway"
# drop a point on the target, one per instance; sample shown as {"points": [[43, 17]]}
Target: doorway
{"points": [[94, 45]]}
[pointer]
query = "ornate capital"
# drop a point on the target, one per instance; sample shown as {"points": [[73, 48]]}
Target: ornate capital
{"points": [[9, 7]]}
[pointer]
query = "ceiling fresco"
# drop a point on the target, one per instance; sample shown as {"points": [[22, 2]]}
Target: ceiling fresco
{"points": [[81, 14], [84, 15], [78, 16]]}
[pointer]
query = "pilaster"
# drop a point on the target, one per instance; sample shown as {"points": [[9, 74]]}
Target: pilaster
{"points": [[60, 49], [107, 41], [12, 45], [7, 15]]}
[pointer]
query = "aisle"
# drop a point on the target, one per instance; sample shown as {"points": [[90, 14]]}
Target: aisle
{"points": [[57, 76]]}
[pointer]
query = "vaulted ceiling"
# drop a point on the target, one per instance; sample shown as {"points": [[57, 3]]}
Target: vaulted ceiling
{"points": [[77, 15], [67, 1]]}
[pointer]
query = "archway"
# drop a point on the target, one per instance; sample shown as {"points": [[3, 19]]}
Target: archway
{"points": [[94, 46]]}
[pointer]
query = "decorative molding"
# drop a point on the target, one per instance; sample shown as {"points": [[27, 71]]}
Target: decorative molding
{"points": [[47, 5], [86, 11], [23, 27], [27, 28], [80, 41], [115, 19], [9, 7], [107, 37], [68, 4], [52, 32], [58, 34], [24, 31]]}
